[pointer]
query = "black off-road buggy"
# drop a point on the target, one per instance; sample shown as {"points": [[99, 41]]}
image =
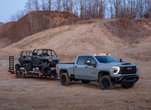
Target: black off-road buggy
{"points": [[43, 59]]}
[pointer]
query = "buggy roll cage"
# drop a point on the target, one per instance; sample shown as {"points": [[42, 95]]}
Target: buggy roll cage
{"points": [[26, 53], [52, 52]]}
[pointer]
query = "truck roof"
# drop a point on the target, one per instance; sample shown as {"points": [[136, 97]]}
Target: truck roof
{"points": [[95, 55]]}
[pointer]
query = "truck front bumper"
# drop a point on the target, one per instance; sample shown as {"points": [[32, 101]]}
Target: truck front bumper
{"points": [[125, 79]]}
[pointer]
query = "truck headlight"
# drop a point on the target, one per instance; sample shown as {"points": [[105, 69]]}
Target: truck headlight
{"points": [[116, 69]]}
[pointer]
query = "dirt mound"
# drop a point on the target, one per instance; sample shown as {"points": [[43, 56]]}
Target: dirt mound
{"points": [[34, 22], [144, 21], [128, 30], [72, 40], [84, 38]]}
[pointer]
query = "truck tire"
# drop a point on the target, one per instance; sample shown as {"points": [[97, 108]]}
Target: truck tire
{"points": [[126, 86], [17, 66], [105, 82], [65, 80], [85, 81]]}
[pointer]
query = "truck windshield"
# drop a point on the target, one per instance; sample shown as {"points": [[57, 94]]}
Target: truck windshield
{"points": [[106, 59]]}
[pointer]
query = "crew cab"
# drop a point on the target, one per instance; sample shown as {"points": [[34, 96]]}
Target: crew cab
{"points": [[104, 69]]}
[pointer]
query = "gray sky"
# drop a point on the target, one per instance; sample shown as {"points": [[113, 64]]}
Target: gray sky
{"points": [[10, 7]]}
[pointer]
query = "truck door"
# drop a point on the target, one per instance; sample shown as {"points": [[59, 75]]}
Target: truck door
{"points": [[91, 70], [84, 71]]}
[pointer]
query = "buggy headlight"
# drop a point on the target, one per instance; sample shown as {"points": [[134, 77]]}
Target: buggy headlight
{"points": [[116, 69]]}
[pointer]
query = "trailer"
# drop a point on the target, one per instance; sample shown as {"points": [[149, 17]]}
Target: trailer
{"points": [[35, 73]]}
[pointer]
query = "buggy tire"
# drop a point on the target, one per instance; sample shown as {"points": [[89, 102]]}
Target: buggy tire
{"points": [[64, 79], [17, 66], [105, 82], [28, 67], [46, 70]]}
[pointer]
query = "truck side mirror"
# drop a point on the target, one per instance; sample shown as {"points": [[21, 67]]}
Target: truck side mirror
{"points": [[121, 60], [88, 62]]}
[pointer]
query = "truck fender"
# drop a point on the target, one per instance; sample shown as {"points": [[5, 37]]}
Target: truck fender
{"points": [[62, 71], [102, 73]]}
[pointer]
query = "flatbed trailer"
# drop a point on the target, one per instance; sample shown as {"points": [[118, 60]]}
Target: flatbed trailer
{"points": [[22, 73]]}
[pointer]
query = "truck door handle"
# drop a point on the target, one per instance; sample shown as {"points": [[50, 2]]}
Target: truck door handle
{"points": [[86, 67], [75, 66]]}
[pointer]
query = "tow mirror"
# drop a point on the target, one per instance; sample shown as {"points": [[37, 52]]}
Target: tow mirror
{"points": [[121, 60]]}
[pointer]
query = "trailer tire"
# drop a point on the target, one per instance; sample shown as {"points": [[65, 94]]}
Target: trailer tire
{"points": [[17, 74], [22, 75], [65, 80]]}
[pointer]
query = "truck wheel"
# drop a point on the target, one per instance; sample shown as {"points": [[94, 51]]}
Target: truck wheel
{"points": [[85, 81], [17, 66], [126, 86], [65, 80], [105, 83]]}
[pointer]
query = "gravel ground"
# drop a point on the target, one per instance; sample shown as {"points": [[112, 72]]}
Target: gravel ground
{"points": [[44, 94]]}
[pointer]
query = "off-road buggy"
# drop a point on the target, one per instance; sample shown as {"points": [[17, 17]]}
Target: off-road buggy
{"points": [[44, 59], [24, 60]]}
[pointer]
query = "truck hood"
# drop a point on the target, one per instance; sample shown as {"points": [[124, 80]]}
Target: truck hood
{"points": [[121, 64]]}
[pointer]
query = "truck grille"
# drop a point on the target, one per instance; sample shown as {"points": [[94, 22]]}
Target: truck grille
{"points": [[128, 70]]}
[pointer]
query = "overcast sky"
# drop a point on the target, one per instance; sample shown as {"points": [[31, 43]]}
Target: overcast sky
{"points": [[10, 7]]}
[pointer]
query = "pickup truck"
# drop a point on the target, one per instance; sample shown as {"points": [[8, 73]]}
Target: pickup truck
{"points": [[104, 69]]}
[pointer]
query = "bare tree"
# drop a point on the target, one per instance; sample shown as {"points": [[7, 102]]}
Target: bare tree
{"points": [[58, 5], [36, 5], [49, 5], [81, 8], [44, 5], [28, 6], [18, 15], [32, 5]]}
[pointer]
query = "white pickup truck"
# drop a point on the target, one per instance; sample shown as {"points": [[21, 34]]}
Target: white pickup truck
{"points": [[105, 69]]}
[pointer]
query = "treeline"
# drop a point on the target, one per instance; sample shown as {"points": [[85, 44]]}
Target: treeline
{"points": [[86, 9]]}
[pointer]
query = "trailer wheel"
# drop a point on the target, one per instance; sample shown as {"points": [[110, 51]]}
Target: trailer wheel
{"points": [[65, 80], [17, 74], [22, 75]]}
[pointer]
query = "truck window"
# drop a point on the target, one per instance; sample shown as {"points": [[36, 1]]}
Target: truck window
{"points": [[93, 61], [82, 60], [106, 59]]}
